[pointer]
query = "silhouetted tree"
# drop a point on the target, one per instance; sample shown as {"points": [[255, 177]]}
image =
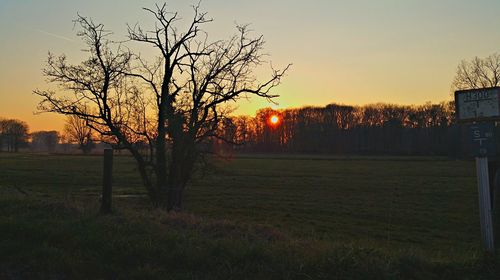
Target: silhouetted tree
{"points": [[189, 85], [44, 140], [2, 136], [478, 73], [13, 134], [77, 131]]}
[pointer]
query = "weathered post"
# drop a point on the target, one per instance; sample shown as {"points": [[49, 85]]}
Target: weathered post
{"points": [[481, 108], [107, 181], [495, 205], [485, 212]]}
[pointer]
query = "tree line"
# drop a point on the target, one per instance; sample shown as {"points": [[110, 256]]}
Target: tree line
{"points": [[427, 129], [15, 135], [389, 129]]}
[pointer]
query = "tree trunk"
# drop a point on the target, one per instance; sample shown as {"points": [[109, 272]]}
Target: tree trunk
{"points": [[161, 157], [181, 168], [146, 179], [174, 199], [161, 163], [16, 145]]}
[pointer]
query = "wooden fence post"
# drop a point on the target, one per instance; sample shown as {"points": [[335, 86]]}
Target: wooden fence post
{"points": [[107, 181]]}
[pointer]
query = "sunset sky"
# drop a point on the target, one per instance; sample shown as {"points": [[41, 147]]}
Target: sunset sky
{"points": [[350, 52]]}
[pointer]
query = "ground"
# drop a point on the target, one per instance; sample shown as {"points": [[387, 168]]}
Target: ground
{"points": [[249, 216]]}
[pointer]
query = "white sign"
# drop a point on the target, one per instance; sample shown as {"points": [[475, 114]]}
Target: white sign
{"points": [[477, 104]]}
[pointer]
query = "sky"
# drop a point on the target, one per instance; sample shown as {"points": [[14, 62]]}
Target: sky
{"points": [[348, 52]]}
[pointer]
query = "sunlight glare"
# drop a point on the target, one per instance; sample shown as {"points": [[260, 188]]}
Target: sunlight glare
{"points": [[274, 119]]}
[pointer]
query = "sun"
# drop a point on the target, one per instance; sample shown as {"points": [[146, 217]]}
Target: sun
{"points": [[274, 119]]}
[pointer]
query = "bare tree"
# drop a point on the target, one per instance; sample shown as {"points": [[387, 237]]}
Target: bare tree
{"points": [[77, 132], [45, 140], [13, 134], [173, 104], [478, 73]]}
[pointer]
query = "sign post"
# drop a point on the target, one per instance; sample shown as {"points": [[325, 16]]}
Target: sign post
{"points": [[481, 107], [485, 214]]}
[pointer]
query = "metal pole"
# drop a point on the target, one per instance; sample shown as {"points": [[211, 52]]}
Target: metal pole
{"points": [[107, 181], [485, 204]]}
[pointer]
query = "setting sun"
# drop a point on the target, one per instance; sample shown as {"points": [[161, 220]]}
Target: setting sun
{"points": [[274, 119]]}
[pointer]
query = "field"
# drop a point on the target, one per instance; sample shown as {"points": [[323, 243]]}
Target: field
{"points": [[255, 217]]}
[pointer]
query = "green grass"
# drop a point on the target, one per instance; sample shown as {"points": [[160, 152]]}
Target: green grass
{"points": [[255, 217]]}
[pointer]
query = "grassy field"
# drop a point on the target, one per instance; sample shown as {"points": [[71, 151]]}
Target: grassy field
{"points": [[255, 217]]}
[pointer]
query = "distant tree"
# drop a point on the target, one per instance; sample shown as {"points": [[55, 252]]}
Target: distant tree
{"points": [[45, 140], [13, 134], [478, 73], [174, 103], [2, 136], [77, 131]]}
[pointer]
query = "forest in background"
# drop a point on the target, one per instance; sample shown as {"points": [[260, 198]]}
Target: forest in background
{"points": [[380, 129], [428, 129]]}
